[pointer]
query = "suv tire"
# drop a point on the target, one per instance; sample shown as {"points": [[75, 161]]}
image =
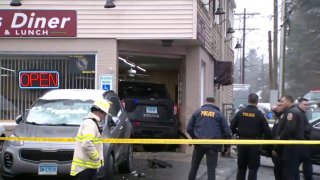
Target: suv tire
{"points": [[109, 175], [127, 165]]}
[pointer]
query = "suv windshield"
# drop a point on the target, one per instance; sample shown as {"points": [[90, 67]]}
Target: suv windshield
{"points": [[59, 112], [142, 90], [313, 113], [313, 95]]}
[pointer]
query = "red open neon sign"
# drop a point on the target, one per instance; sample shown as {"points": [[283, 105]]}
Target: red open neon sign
{"points": [[39, 79]]}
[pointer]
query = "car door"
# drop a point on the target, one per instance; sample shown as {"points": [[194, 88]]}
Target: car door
{"points": [[118, 130]]}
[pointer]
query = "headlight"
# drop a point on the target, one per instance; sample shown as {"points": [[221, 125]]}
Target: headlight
{"points": [[16, 143]]}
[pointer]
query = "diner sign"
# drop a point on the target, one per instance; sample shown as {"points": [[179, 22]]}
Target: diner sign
{"points": [[38, 23]]}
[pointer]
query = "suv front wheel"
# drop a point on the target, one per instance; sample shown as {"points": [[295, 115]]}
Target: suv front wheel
{"points": [[127, 165]]}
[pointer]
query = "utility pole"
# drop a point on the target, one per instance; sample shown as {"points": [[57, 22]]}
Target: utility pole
{"points": [[275, 45], [283, 48], [270, 60], [243, 61]]}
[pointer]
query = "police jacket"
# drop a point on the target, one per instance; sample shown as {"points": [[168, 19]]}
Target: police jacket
{"points": [[250, 123], [291, 125], [278, 116], [306, 125], [275, 131], [208, 123], [88, 153]]}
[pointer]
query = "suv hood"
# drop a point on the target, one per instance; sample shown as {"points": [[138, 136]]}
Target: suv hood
{"points": [[30, 130]]}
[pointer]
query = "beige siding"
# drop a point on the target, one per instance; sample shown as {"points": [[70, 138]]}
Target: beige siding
{"points": [[214, 34], [215, 45], [131, 19]]}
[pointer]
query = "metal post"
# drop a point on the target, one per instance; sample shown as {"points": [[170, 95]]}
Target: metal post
{"points": [[275, 45], [283, 48], [270, 61]]}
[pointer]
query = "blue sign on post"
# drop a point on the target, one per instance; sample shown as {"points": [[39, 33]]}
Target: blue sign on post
{"points": [[106, 87], [106, 82]]}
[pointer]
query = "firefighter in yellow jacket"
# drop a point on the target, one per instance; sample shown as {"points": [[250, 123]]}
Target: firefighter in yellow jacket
{"points": [[88, 153]]}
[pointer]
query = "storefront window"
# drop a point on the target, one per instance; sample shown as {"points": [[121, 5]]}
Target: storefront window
{"points": [[73, 71]]}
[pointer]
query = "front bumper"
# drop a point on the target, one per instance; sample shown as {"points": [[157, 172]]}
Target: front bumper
{"points": [[24, 166], [155, 131]]}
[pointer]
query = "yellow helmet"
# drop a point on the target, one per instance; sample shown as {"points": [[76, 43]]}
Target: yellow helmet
{"points": [[102, 104]]}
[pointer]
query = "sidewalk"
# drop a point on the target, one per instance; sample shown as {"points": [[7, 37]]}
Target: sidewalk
{"points": [[181, 162], [181, 165], [267, 162]]}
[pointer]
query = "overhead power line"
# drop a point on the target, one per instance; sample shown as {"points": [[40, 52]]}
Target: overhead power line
{"points": [[242, 65]]}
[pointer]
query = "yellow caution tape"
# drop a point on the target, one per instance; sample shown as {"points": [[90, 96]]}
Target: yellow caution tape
{"points": [[167, 141]]}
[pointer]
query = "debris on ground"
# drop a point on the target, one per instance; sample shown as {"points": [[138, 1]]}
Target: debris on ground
{"points": [[156, 163], [136, 174]]}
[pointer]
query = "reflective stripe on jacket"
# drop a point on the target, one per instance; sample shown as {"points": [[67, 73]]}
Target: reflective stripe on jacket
{"points": [[88, 152]]}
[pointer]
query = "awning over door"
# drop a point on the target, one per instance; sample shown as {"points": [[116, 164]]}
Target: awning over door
{"points": [[223, 71]]}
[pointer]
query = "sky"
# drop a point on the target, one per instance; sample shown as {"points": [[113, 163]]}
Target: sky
{"points": [[263, 22]]}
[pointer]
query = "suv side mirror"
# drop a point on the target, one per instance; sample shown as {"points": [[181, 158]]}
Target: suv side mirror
{"points": [[20, 116], [19, 119]]}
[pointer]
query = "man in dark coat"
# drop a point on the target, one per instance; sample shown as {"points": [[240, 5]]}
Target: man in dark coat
{"points": [[207, 123], [250, 123]]}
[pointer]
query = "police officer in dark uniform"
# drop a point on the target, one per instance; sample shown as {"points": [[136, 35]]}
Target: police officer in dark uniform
{"points": [[277, 109], [291, 127], [249, 123], [207, 123], [302, 107]]}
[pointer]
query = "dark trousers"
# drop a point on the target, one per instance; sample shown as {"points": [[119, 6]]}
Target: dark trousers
{"points": [[248, 157], [277, 169], [211, 156], [87, 174], [291, 158], [307, 163]]}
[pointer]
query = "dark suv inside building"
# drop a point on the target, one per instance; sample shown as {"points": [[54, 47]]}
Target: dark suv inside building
{"points": [[150, 109]]}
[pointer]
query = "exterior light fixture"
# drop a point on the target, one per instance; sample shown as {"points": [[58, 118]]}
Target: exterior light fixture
{"points": [[15, 3], [109, 4], [167, 43], [219, 11], [238, 45], [230, 30]]}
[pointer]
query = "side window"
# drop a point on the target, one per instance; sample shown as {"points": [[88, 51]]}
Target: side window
{"points": [[115, 109], [115, 106]]}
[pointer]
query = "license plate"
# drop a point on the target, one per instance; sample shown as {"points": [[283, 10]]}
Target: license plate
{"points": [[152, 110], [47, 169]]}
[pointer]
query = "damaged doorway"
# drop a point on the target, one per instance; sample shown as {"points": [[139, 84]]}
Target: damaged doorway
{"points": [[153, 73]]}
